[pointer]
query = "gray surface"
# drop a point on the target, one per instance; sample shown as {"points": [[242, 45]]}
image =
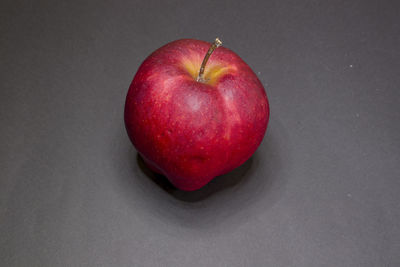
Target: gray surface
{"points": [[322, 190]]}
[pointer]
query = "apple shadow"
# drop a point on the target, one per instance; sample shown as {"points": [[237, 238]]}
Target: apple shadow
{"points": [[227, 201], [219, 183]]}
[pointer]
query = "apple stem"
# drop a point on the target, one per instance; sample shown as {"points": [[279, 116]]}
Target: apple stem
{"points": [[217, 43]]}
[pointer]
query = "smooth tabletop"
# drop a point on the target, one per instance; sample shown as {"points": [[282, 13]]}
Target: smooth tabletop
{"points": [[323, 189]]}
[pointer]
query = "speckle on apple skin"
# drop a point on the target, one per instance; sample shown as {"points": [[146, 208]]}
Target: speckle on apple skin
{"points": [[192, 131]]}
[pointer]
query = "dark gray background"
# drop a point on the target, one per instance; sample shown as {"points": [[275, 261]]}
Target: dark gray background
{"points": [[323, 189]]}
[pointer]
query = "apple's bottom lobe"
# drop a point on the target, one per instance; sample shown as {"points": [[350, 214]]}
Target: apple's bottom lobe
{"points": [[180, 183]]}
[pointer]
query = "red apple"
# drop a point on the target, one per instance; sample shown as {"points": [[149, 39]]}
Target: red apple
{"points": [[192, 126]]}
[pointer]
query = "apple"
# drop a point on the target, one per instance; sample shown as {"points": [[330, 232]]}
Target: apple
{"points": [[195, 111]]}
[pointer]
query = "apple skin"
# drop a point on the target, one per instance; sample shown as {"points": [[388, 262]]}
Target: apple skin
{"points": [[193, 131]]}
